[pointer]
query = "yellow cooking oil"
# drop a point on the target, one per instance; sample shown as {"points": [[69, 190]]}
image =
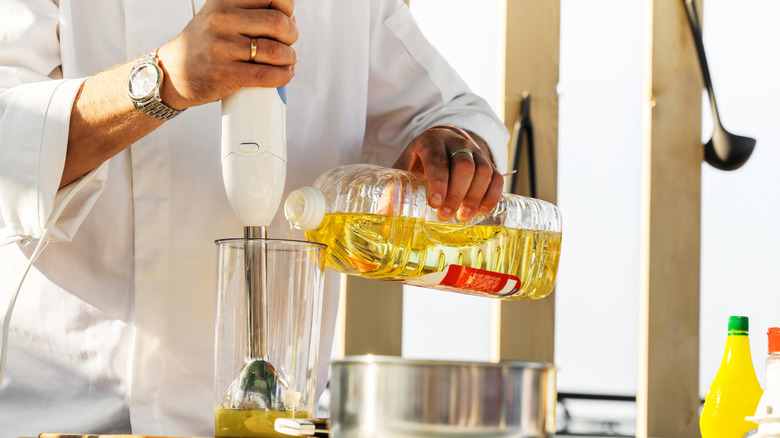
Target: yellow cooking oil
{"points": [[251, 423], [398, 248]]}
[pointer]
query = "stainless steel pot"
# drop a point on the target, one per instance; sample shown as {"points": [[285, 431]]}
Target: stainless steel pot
{"points": [[383, 397]]}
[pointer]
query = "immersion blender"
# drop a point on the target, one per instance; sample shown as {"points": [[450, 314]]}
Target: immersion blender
{"points": [[254, 167]]}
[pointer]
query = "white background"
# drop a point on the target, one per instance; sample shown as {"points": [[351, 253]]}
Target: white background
{"points": [[599, 171]]}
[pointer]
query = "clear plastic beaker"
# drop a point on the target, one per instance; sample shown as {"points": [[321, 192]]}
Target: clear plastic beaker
{"points": [[293, 282]]}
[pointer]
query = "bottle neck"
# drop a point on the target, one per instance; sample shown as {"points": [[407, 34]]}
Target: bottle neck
{"points": [[736, 378], [772, 370], [737, 355], [773, 359]]}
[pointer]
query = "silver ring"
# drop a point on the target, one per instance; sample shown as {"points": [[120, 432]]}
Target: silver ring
{"points": [[253, 50], [462, 151]]}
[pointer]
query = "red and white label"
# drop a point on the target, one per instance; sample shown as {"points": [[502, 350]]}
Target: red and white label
{"points": [[470, 279]]}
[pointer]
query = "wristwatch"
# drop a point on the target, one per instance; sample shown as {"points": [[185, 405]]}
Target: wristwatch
{"points": [[143, 87]]}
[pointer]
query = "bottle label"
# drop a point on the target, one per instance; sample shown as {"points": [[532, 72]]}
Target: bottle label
{"points": [[474, 280]]}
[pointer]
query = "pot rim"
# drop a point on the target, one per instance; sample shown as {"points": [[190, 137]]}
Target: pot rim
{"points": [[396, 360]]}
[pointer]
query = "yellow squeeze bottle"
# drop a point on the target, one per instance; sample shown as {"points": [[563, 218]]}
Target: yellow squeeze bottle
{"points": [[735, 391]]}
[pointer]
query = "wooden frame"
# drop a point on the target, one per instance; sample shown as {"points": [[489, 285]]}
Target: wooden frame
{"points": [[370, 317], [668, 378], [524, 330]]}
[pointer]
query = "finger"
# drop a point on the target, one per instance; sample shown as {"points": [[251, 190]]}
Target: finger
{"points": [[493, 194], [436, 168], [483, 176], [404, 161], [266, 51], [285, 6], [271, 52], [461, 174], [265, 23], [264, 75]]}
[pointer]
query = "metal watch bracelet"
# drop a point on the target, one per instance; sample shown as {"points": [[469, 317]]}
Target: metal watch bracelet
{"points": [[158, 110], [154, 106]]}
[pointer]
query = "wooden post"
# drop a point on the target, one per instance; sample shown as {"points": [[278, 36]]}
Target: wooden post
{"points": [[524, 330], [672, 153], [371, 314]]}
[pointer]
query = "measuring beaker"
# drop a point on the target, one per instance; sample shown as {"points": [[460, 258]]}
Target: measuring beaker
{"points": [[293, 281]]}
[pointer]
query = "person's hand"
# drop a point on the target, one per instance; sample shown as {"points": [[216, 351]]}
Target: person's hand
{"points": [[210, 58], [462, 177]]}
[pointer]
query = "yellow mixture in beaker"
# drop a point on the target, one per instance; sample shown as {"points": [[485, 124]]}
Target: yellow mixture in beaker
{"points": [[251, 423]]}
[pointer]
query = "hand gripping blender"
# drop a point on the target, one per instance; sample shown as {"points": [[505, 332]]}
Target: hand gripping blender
{"points": [[254, 167]]}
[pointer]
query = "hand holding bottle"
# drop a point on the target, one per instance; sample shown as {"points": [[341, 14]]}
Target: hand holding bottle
{"points": [[462, 178]]}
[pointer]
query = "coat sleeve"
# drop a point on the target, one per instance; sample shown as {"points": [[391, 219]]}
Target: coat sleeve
{"points": [[412, 87], [35, 107]]}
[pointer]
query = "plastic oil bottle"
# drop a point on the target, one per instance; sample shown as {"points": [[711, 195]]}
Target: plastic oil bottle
{"points": [[735, 391], [377, 223]]}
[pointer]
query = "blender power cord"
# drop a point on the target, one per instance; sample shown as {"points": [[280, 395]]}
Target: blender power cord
{"points": [[38, 249]]}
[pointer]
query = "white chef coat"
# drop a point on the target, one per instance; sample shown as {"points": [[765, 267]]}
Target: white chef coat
{"points": [[114, 328]]}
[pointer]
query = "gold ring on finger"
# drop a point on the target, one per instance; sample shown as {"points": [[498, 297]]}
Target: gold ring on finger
{"points": [[462, 151], [253, 50]]}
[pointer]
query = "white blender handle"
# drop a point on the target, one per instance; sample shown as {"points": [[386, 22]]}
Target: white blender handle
{"points": [[254, 153]]}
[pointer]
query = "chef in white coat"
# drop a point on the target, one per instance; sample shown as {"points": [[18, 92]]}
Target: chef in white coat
{"points": [[113, 330]]}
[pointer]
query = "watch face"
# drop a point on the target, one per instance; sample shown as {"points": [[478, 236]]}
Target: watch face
{"points": [[143, 81]]}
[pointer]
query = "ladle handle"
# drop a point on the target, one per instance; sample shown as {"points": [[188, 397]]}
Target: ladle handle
{"points": [[695, 24]]}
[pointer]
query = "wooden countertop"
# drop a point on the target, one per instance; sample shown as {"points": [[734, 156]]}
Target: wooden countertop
{"points": [[72, 435]]}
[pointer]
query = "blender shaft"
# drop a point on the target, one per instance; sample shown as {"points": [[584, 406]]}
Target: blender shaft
{"points": [[256, 271]]}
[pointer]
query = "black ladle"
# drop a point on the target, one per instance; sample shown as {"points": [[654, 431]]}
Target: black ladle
{"points": [[724, 151]]}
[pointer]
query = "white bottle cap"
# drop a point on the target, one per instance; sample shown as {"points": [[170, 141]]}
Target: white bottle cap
{"points": [[305, 208]]}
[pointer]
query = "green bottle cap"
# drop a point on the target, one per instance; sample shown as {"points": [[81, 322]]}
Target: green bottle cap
{"points": [[738, 325]]}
